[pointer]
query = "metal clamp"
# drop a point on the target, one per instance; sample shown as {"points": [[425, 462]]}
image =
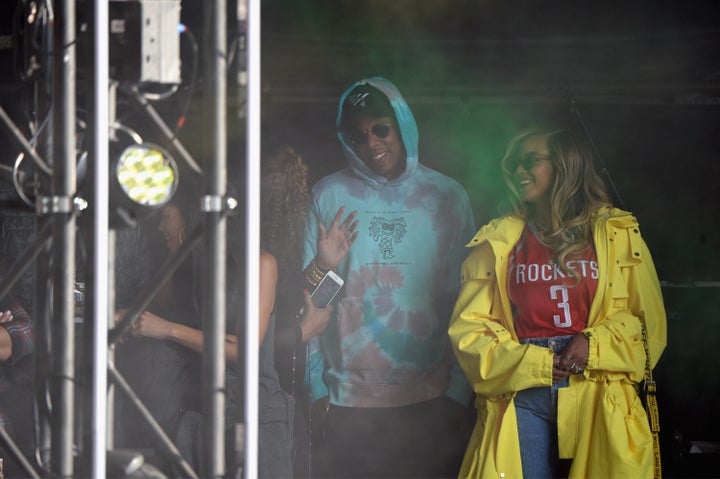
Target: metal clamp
{"points": [[217, 204], [60, 204]]}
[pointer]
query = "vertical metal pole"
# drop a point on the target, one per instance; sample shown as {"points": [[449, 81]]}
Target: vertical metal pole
{"points": [[214, 306], [102, 265], [252, 230], [63, 248], [42, 330]]}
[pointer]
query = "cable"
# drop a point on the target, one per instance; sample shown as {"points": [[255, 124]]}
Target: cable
{"points": [[16, 180], [193, 79], [603, 169], [189, 88]]}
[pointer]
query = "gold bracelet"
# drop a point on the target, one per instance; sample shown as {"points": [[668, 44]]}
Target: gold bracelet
{"points": [[319, 269], [313, 273], [312, 283], [316, 270]]}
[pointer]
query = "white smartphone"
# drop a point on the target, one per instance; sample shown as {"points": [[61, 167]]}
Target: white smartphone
{"points": [[327, 289]]}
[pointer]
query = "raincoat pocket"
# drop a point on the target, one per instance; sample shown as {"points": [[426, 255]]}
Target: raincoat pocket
{"points": [[567, 421], [621, 426]]}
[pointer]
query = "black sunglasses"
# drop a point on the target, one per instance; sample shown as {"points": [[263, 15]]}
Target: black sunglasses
{"points": [[360, 137], [526, 161]]}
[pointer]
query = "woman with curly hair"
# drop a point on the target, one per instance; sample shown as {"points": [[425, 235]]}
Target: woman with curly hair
{"points": [[284, 196], [284, 201], [549, 323]]}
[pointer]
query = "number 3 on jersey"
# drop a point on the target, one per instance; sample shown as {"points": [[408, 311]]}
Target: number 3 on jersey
{"points": [[565, 321]]}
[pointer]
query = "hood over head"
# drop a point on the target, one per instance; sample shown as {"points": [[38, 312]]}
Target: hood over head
{"points": [[360, 99]]}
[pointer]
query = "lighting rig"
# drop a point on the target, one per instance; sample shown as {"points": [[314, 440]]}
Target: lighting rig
{"points": [[54, 167]]}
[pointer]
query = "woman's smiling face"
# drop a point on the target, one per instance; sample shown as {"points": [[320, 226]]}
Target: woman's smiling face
{"points": [[534, 172]]}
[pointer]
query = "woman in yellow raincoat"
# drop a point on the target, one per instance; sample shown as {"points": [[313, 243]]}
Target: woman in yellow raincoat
{"points": [[548, 323]]}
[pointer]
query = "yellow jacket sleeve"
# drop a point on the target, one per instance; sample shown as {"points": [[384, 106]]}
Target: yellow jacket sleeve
{"points": [[483, 338], [632, 296]]}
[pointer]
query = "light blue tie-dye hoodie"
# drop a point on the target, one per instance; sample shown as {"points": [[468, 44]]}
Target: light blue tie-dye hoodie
{"points": [[387, 343]]}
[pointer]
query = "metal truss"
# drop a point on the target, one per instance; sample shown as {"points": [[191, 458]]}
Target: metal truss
{"points": [[63, 220]]}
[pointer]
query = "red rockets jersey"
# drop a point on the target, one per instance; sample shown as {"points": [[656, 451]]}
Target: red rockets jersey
{"points": [[545, 302]]}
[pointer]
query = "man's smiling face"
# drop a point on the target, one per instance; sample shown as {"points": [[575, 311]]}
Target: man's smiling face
{"points": [[377, 142]]}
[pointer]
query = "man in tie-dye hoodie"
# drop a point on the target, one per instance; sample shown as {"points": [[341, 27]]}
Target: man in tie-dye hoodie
{"points": [[393, 401]]}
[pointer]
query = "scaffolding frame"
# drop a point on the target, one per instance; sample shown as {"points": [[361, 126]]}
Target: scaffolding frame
{"points": [[62, 217]]}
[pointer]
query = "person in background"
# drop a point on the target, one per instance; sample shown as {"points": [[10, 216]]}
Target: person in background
{"points": [[389, 398], [283, 444], [16, 396], [163, 350], [282, 218], [548, 326]]}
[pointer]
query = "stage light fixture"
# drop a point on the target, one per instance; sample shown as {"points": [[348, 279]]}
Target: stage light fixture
{"points": [[143, 178], [147, 174], [145, 41]]}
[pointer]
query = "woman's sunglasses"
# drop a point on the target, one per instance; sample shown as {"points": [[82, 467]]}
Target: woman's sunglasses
{"points": [[526, 161], [360, 137]]}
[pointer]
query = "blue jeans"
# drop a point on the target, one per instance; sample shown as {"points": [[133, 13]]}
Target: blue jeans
{"points": [[536, 410]]}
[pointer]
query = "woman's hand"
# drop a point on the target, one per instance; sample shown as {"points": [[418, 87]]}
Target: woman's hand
{"points": [[574, 357], [333, 245], [318, 413], [118, 316], [558, 374], [6, 348], [315, 319], [153, 326]]}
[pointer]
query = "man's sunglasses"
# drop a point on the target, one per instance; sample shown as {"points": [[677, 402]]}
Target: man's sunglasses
{"points": [[360, 137]]}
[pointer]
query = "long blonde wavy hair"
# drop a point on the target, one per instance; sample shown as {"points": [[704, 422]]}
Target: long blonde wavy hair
{"points": [[576, 193], [284, 200]]}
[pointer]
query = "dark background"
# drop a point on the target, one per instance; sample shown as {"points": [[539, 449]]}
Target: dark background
{"points": [[644, 76]]}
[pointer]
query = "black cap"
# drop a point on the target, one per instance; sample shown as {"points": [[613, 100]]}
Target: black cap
{"points": [[365, 100]]}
